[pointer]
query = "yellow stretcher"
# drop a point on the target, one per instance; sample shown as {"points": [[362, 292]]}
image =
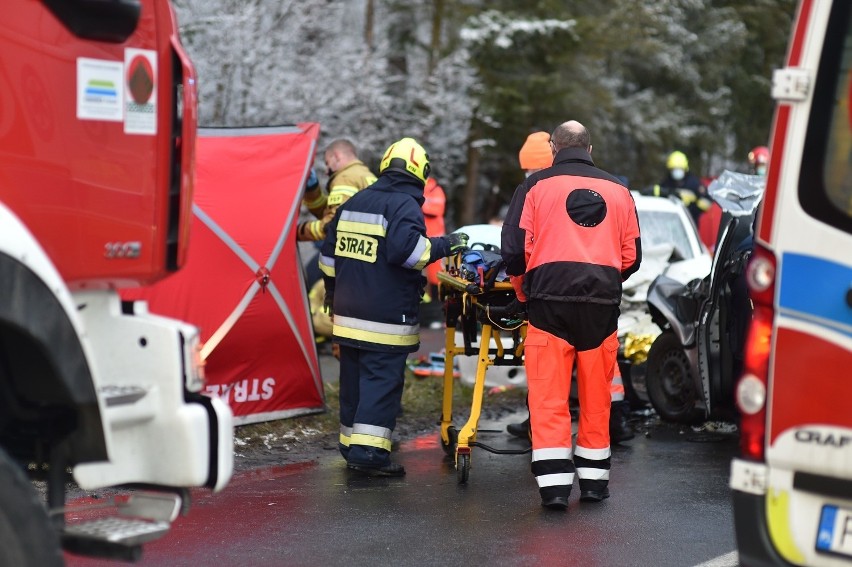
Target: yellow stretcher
{"points": [[474, 311]]}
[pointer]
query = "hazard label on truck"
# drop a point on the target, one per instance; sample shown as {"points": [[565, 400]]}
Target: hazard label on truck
{"points": [[140, 74]]}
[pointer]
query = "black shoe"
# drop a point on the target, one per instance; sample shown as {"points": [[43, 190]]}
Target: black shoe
{"points": [[390, 469], [619, 427], [521, 430], [555, 503], [620, 432], [594, 495]]}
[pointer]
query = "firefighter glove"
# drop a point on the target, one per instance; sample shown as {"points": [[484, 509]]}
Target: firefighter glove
{"points": [[457, 242], [328, 304], [312, 182]]}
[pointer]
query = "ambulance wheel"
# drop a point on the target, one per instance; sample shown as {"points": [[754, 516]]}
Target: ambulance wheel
{"points": [[453, 435], [26, 536], [462, 468], [670, 382]]}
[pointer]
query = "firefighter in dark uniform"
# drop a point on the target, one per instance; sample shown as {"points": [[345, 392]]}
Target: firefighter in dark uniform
{"points": [[679, 182], [372, 258], [570, 237]]}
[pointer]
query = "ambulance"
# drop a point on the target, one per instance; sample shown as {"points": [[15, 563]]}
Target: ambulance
{"points": [[792, 483]]}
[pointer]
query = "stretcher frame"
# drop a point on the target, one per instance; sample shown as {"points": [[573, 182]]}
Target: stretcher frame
{"points": [[471, 306]]}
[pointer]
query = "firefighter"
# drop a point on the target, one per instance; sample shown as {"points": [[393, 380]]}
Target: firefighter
{"points": [[570, 237], [534, 156], [372, 258], [346, 176], [758, 160], [679, 182]]}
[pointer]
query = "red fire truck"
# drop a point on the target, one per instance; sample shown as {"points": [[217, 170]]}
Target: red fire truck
{"points": [[97, 132]]}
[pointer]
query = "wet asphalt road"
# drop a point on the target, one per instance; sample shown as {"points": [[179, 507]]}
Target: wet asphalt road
{"points": [[670, 506]]}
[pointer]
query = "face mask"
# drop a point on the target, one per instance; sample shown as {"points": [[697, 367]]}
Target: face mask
{"points": [[760, 170], [678, 173]]}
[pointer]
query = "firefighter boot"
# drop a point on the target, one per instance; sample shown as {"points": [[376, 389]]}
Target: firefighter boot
{"points": [[389, 469], [619, 427], [521, 429], [372, 461]]}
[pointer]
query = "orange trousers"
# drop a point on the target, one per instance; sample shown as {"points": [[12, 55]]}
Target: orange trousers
{"points": [[549, 362]]}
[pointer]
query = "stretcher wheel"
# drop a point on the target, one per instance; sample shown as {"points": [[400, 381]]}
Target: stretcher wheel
{"points": [[450, 448], [462, 468]]}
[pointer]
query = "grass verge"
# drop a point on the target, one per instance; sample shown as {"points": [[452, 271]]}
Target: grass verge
{"points": [[422, 399]]}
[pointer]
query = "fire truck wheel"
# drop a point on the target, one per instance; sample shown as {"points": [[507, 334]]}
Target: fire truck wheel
{"points": [[670, 382], [26, 536]]}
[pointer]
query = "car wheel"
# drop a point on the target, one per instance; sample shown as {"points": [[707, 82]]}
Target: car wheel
{"points": [[670, 383]]}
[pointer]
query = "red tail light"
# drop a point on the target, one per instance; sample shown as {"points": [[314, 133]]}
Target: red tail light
{"points": [[751, 390]]}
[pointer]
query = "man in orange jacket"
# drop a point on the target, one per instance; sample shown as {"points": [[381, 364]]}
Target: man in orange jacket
{"points": [[570, 237], [434, 207], [534, 156]]}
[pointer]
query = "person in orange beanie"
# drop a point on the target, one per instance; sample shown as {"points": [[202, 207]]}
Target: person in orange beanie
{"points": [[535, 154]]}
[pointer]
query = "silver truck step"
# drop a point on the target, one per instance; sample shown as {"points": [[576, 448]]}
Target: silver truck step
{"points": [[121, 395], [126, 531], [133, 521]]}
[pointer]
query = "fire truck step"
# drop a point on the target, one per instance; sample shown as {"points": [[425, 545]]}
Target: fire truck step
{"points": [[112, 537], [121, 395]]}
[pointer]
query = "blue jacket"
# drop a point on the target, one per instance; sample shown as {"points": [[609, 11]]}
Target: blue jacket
{"points": [[372, 260]]}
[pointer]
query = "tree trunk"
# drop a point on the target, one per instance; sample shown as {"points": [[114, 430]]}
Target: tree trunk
{"points": [[465, 214], [369, 21], [435, 42]]}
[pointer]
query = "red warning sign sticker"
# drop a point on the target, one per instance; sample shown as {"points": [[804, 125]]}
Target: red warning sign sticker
{"points": [[140, 76]]}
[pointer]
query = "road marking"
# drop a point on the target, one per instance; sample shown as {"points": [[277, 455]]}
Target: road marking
{"points": [[731, 559]]}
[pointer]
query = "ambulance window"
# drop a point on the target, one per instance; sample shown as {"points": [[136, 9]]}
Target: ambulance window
{"points": [[825, 184]]}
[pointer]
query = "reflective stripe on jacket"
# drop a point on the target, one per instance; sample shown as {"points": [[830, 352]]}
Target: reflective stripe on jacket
{"points": [[341, 186], [371, 259]]}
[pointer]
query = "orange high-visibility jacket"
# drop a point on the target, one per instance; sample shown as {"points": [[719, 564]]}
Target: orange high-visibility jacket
{"points": [[434, 206], [571, 233]]}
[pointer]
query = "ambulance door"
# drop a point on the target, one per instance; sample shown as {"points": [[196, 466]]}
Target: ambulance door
{"points": [[812, 234]]}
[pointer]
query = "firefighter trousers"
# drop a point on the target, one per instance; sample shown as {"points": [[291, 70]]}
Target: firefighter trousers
{"points": [[549, 361], [371, 384]]}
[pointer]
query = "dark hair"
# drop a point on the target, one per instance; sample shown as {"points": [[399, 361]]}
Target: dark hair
{"points": [[571, 134]]}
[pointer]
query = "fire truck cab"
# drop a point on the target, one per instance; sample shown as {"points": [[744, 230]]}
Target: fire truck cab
{"points": [[97, 138], [792, 484]]}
